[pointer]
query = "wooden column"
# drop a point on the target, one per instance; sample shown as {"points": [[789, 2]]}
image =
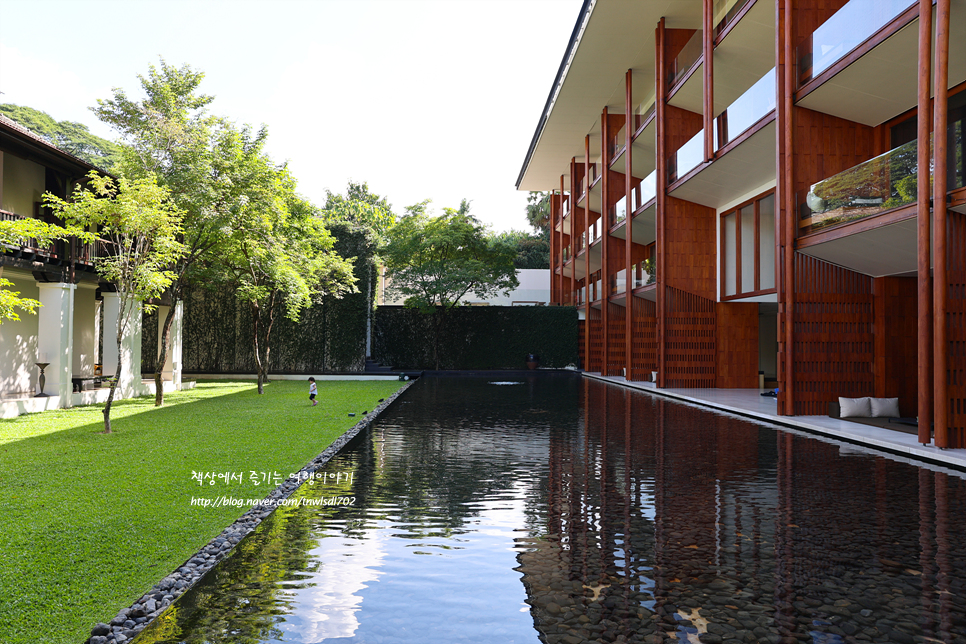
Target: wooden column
{"points": [[660, 247], [573, 229], [604, 239], [924, 241], [940, 278], [628, 222], [786, 92], [587, 251], [707, 47], [562, 262]]}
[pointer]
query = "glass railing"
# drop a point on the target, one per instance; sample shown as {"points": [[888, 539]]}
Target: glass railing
{"points": [[729, 14], [685, 59], [594, 232], [888, 181], [688, 157], [618, 282], [747, 110], [595, 291], [579, 296], [648, 190], [618, 212], [643, 273], [643, 112], [617, 143], [848, 28], [565, 254], [566, 207]]}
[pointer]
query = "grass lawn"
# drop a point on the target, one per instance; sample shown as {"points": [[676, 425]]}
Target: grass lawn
{"points": [[89, 522]]}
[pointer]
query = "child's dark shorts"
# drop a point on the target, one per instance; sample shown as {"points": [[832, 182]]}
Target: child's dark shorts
{"points": [[311, 396]]}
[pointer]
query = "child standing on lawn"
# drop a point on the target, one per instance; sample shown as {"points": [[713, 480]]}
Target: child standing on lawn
{"points": [[313, 390]]}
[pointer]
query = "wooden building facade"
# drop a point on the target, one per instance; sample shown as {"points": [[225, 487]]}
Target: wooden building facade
{"points": [[774, 187]]}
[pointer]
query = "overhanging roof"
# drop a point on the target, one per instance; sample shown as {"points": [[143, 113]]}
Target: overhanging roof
{"points": [[611, 37]]}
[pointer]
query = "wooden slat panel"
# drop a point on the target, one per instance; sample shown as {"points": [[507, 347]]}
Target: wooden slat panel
{"points": [[643, 339], [956, 327], [896, 357], [690, 340], [616, 347], [595, 329], [691, 248], [833, 353]]}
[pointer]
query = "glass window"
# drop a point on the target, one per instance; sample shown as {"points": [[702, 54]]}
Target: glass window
{"points": [[730, 253], [766, 239]]}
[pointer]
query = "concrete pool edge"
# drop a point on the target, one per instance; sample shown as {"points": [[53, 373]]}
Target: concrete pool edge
{"points": [[881, 440], [156, 601]]}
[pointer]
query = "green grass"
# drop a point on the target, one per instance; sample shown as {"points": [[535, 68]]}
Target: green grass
{"points": [[89, 522]]}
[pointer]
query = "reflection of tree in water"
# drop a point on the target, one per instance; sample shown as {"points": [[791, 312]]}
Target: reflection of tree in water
{"points": [[244, 598]]}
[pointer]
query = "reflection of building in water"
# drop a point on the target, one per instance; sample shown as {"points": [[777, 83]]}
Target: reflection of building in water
{"points": [[660, 528]]}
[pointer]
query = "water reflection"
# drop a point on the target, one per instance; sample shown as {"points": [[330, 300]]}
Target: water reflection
{"points": [[627, 518]]}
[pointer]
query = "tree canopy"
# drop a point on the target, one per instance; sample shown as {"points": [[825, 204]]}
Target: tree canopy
{"points": [[360, 207], [69, 136], [531, 251]]}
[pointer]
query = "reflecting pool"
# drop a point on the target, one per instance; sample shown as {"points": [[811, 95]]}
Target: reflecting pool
{"points": [[558, 509]]}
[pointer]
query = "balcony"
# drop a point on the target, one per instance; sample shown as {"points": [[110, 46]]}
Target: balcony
{"points": [[618, 212], [687, 158], [617, 144], [594, 232], [565, 254], [60, 249], [643, 273], [730, 13], [618, 282], [749, 108], [685, 59], [848, 28], [643, 113]]}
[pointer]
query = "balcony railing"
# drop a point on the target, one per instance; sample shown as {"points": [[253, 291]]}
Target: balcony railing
{"points": [[643, 113], [729, 16], [617, 143], [747, 110], [648, 190], [848, 28], [565, 254], [687, 157], [594, 232], [618, 212], [685, 59], [618, 282], [888, 181], [582, 185]]}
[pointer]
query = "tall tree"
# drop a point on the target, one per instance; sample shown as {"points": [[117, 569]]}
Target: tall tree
{"points": [[361, 207], [140, 228], [203, 161], [538, 211], [435, 261], [69, 136], [532, 250]]}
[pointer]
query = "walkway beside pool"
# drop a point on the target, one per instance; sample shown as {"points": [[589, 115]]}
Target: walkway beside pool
{"points": [[750, 402]]}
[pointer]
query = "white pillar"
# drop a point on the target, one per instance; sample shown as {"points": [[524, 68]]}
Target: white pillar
{"points": [[85, 332], [174, 347], [55, 335], [130, 345]]}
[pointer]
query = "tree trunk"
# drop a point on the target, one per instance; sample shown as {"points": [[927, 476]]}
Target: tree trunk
{"points": [[256, 314], [114, 383], [163, 355]]}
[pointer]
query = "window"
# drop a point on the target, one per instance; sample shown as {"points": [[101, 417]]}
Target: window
{"points": [[748, 248]]}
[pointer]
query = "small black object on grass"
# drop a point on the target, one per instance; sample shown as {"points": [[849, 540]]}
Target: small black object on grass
{"points": [[351, 414], [381, 399]]}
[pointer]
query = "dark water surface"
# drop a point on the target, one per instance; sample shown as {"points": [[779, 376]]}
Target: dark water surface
{"points": [[564, 510]]}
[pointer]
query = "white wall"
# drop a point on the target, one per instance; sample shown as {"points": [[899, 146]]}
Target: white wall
{"points": [[23, 185], [18, 341], [85, 331]]}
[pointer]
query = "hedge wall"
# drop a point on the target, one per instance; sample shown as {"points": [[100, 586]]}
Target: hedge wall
{"points": [[329, 336], [476, 337]]}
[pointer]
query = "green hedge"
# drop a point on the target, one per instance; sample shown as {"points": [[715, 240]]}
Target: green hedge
{"points": [[476, 337], [329, 336]]}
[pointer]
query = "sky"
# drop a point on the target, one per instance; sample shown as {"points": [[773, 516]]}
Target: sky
{"points": [[421, 99]]}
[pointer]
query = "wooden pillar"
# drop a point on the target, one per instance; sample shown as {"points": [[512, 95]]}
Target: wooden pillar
{"points": [[587, 251], [940, 278], [604, 238], [573, 229], [561, 245], [629, 220], [661, 205], [707, 47], [786, 191], [924, 241]]}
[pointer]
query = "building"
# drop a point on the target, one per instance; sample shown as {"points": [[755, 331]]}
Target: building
{"points": [[735, 191], [74, 332]]}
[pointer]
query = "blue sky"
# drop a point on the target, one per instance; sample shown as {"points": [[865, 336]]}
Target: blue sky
{"points": [[422, 99]]}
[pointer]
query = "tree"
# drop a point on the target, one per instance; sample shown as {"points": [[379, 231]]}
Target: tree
{"points": [[360, 207], [538, 211], [69, 136], [15, 232], [435, 261], [203, 162], [278, 257], [532, 251], [139, 227]]}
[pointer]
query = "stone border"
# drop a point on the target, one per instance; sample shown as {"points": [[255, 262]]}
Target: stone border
{"points": [[129, 622]]}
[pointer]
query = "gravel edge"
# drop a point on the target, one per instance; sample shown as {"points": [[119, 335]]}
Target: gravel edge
{"points": [[129, 622]]}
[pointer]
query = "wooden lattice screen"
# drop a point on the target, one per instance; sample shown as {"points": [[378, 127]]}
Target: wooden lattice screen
{"points": [[834, 320], [643, 339], [689, 340], [616, 344], [595, 327], [956, 329]]}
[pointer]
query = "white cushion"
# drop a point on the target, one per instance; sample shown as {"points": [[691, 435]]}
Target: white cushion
{"points": [[885, 407], [855, 407]]}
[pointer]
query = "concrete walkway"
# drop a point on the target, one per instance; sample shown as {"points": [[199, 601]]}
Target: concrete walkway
{"points": [[750, 402]]}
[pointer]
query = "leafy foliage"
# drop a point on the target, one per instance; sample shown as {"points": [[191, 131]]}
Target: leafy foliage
{"points": [[538, 211], [139, 228], [476, 337], [69, 136], [532, 251], [359, 207]]}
